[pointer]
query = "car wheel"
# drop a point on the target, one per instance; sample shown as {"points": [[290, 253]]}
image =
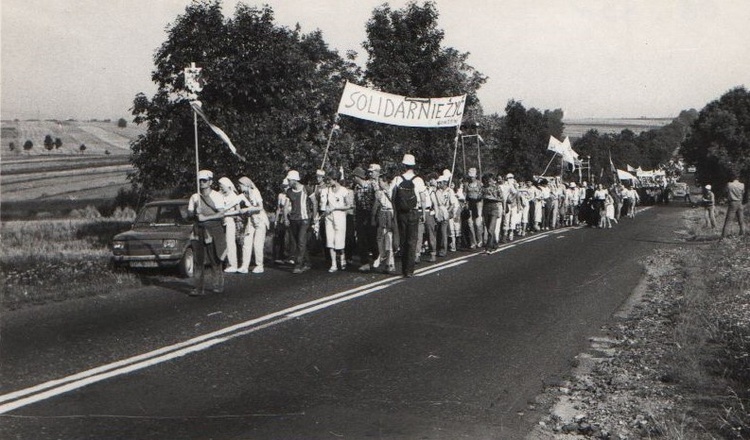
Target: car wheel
{"points": [[187, 263]]}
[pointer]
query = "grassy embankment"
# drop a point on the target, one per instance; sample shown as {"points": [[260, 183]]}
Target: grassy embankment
{"points": [[710, 360], [55, 260]]}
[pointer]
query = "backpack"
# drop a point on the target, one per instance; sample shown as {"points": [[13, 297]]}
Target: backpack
{"points": [[405, 198]]}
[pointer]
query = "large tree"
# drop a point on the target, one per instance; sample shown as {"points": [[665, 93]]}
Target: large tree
{"points": [[719, 141], [519, 140], [406, 56], [272, 89]]}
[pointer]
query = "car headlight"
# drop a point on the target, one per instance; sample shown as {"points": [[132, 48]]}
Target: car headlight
{"points": [[169, 244], [118, 245]]}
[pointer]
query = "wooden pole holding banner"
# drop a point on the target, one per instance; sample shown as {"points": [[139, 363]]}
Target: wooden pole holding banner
{"points": [[455, 153], [328, 144]]}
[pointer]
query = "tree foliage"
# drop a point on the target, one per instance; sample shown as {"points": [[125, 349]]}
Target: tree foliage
{"points": [[122, 123], [719, 140], [28, 145], [406, 57], [519, 140], [58, 143], [272, 89]]}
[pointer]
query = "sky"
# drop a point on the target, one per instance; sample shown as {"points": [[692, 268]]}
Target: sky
{"points": [[86, 59]]}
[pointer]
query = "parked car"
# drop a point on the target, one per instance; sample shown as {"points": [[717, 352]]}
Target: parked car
{"points": [[160, 237]]}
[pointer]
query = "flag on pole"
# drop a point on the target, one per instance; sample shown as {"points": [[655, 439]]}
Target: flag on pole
{"points": [[198, 108], [555, 145], [568, 155]]}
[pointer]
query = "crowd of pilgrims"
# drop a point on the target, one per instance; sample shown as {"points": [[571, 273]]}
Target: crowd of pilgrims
{"points": [[352, 222]]}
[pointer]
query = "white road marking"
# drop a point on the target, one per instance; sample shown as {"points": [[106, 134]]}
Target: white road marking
{"points": [[431, 270]]}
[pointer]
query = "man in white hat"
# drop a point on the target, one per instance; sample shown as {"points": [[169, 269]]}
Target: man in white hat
{"points": [[473, 192], [209, 241], [408, 200], [708, 202], [302, 209], [446, 207]]}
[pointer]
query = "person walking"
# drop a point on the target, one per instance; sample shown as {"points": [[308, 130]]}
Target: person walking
{"points": [[473, 192], [208, 239], [383, 219], [735, 196], [708, 201], [408, 190], [492, 207], [337, 203], [231, 204], [302, 209], [256, 227], [445, 204], [281, 240], [364, 198]]}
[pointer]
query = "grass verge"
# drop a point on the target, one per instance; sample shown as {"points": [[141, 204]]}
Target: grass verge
{"points": [[55, 260]]}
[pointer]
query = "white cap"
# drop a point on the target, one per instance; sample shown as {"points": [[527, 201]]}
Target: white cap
{"points": [[293, 175], [509, 176], [318, 173], [708, 187], [285, 182], [443, 178], [409, 160], [205, 174], [447, 173], [572, 184], [373, 167], [472, 172]]}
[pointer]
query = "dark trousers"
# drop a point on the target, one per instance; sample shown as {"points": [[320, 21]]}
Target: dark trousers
{"points": [[298, 229], [280, 242], [408, 226], [366, 233], [490, 220], [734, 210]]}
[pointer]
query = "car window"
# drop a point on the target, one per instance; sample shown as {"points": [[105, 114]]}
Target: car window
{"points": [[147, 215]]}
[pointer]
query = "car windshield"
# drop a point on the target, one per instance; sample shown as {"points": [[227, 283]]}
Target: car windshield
{"points": [[166, 215]]}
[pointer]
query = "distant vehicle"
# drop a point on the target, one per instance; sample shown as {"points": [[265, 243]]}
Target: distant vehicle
{"points": [[679, 189], [691, 169], [160, 237]]}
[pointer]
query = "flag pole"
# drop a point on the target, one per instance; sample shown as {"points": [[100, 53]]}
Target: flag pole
{"points": [[197, 165], [550, 163], [330, 137]]}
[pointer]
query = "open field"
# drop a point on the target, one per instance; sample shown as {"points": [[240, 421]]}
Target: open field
{"points": [[51, 183], [576, 128], [97, 136]]}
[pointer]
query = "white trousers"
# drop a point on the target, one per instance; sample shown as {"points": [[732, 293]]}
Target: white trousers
{"points": [[253, 243], [230, 229]]}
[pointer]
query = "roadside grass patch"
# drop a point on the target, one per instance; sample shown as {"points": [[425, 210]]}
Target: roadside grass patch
{"points": [[55, 260], [711, 356]]}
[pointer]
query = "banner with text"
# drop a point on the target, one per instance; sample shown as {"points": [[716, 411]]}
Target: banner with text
{"points": [[363, 103]]}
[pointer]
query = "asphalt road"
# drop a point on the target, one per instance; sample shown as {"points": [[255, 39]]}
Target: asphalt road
{"points": [[459, 351]]}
